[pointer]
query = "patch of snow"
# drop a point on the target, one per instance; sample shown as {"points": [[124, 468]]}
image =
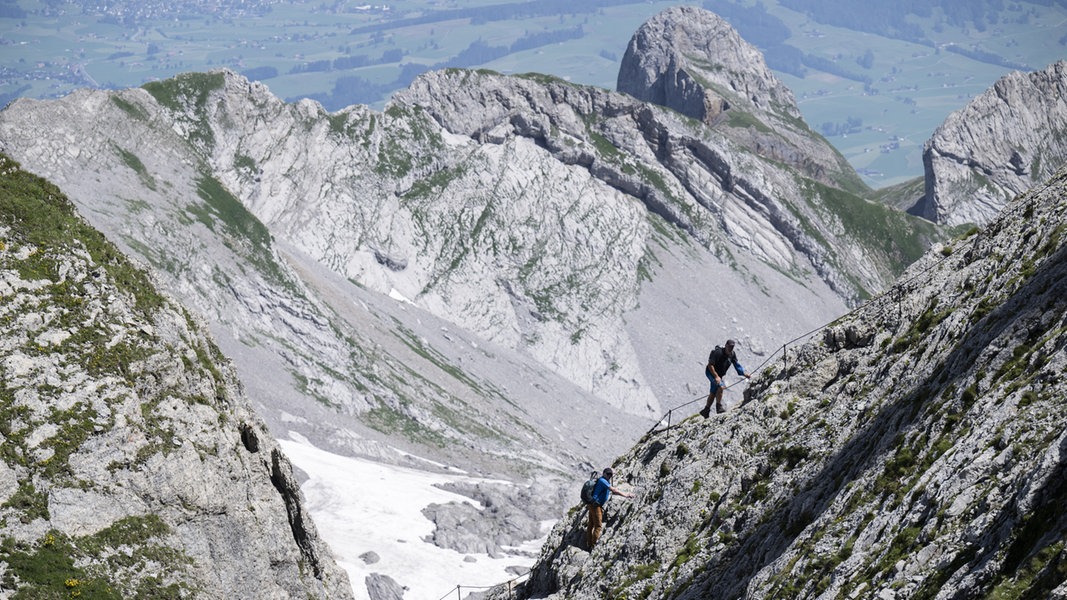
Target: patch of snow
{"points": [[396, 295], [362, 506]]}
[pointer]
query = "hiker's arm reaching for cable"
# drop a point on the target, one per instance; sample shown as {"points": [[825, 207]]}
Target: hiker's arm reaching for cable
{"points": [[740, 370]]}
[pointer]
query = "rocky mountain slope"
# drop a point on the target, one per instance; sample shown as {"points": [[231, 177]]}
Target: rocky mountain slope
{"points": [[133, 464], [915, 448], [544, 246], [1006, 140]]}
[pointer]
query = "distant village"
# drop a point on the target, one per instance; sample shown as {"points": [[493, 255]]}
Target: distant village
{"points": [[129, 13]]}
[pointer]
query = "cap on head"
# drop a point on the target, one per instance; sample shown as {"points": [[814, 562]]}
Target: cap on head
{"points": [[729, 343], [608, 473]]}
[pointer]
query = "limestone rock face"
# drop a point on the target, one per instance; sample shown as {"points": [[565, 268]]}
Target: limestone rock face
{"points": [[914, 448], [1006, 140], [133, 461], [692, 61]]}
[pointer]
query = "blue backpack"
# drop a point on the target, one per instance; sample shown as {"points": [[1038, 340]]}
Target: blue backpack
{"points": [[587, 488]]}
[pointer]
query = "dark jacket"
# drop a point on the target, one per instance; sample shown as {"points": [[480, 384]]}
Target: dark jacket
{"points": [[722, 361]]}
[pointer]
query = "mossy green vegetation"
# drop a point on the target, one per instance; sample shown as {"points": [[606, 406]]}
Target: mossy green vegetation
{"points": [[339, 124], [125, 560], [47, 570], [901, 196], [246, 235], [687, 552], [129, 108], [435, 184], [899, 237], [43, 218], [393, 159], [188, 94], [138, 167], [391, 420], [245, 164], [28, 502], [1034, 578], [412, 341], [46, 243], [637, 575], [742, 120], [408, 131], [790, 456], [930, 318], [222, 205]]}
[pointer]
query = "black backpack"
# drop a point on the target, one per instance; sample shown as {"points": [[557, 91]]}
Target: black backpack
{"points": [[587, 488], [718, 358]]}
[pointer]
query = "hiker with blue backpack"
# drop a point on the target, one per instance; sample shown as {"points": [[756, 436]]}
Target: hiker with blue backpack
{"points": [[595, 497], [719, 362]]}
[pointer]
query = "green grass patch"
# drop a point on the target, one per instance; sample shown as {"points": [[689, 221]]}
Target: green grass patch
{"points": [[124, 560], [790, 456], [930, 318], [222, 205], [391, 421], [687, 551], [47, 570], [637, 574], [41, 216], [187, 95], [138, 167], [30, 503], [130, 108], [743, 120], [899, 237]]}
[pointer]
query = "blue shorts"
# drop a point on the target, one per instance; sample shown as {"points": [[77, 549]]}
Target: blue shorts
{"points": [[711, 378]]}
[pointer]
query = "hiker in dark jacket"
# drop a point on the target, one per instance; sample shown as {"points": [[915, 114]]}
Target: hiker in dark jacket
{"points": [[719, 362], [601, 493]]}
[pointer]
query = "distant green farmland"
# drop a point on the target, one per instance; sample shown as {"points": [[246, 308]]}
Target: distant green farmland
{"points": [[876, 97]]}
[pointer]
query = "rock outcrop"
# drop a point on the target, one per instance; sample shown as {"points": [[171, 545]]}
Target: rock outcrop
{"points": [[133, 464], [691, 60], [1005, 141], [915, 448]]}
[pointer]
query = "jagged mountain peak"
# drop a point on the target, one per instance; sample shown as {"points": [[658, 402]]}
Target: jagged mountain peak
{"points": [[691, 60], [914, 448], [1009, 138]]}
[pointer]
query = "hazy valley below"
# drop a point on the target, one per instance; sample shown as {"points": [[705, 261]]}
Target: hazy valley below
{"points": [[876, 83]]}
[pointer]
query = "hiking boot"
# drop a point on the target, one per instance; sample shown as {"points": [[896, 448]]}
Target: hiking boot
{"points": [[704, 412], [719, 409]]}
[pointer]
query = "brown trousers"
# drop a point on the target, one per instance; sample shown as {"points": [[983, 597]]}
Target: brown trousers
{"points": [[596, 524]]}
